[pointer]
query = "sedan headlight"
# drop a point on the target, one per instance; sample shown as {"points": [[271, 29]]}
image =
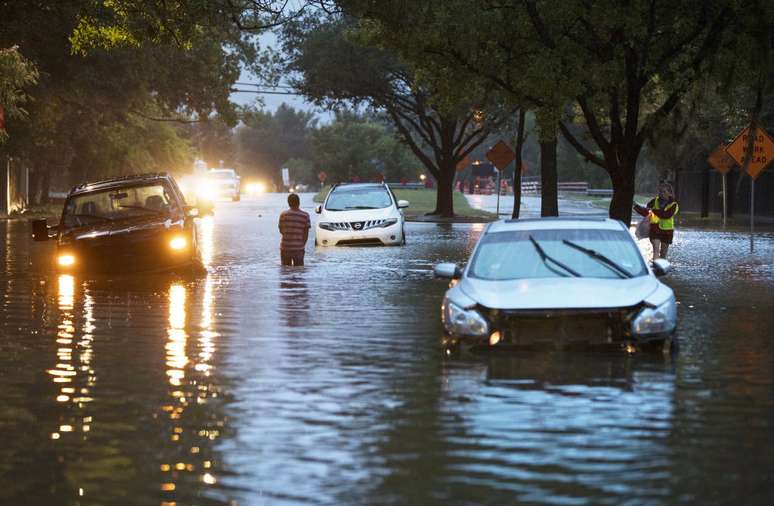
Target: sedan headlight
{"points": [[656, 320], [463, 322]]}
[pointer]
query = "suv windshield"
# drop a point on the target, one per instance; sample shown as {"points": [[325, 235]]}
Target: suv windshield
{"points": [[344, 199], [117, 204], [512, 255]]}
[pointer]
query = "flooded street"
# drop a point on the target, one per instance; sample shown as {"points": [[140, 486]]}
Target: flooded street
{"points": [[326, 384]]}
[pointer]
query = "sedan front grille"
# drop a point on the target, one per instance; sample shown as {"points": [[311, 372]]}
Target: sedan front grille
{"points": [[567, 328], [357, 225]]}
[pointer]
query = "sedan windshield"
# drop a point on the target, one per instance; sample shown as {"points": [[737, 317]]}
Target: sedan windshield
{"points": [[117, 204], [346, 199], [514, 255]]}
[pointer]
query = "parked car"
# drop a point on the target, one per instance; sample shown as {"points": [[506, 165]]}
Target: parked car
{"points": [[224, 183], [133, 223], [558, 283], [361, 214]]}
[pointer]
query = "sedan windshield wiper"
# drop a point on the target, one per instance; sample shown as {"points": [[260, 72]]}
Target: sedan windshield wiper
{"points": [[599, 257], [545, 257]]}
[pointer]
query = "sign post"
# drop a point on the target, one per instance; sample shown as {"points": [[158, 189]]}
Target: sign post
{"points": [[722, 162], [753, 150], [500, 155]]}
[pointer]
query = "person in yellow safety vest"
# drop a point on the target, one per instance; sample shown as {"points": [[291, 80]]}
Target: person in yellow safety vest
{"points": [[661, 212]]}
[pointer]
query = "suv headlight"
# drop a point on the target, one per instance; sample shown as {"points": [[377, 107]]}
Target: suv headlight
{"points": [[389, 222], [463, 322], [325, 226], [656, 320]]}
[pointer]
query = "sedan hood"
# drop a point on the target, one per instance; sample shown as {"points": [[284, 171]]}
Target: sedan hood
{"points": [[358, 215], [559, 293]]}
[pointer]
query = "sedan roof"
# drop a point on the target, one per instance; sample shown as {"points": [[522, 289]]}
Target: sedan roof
{"points": [[558, 223]]}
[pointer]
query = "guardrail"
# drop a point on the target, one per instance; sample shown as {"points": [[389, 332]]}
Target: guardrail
{"points": [[406, 186], [599, 192]]}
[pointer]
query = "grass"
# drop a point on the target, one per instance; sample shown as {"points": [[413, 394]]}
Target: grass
{"points": [[601, 202], [422, 202]]}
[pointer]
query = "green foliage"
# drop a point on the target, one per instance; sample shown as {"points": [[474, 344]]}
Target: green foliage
{"points": [[16, 73], [355, 146]]}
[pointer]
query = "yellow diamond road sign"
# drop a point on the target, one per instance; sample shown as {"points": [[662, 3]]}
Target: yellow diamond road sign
{"points": [[500, 155], [720, 160], [762, 152]]}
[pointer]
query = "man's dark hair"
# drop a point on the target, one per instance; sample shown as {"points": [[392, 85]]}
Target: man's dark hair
{"points": [[293, 200]]}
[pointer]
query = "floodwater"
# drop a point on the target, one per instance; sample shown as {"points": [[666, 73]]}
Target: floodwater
{"points": [[326, 384]]}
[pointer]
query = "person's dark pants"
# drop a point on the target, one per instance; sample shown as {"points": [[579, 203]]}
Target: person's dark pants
{"points": [[292, 257]]}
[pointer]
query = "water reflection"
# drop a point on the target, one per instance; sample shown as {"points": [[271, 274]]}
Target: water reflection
{"points": [[294, 299], [195, 420], [73, 373]]}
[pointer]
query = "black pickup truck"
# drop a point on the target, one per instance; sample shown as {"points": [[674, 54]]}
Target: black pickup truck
{"points": [[126, 224]]}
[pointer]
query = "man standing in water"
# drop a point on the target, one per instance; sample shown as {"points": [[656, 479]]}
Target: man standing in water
{"points": [[294, 226], [661, 212]]}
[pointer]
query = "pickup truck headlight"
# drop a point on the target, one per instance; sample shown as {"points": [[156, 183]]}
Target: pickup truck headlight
{"points": [[656, 320], [66, 259], [463, 322], [178, 243]]}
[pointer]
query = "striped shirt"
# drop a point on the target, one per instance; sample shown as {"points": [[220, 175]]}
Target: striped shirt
{"points": [[293, 223]]}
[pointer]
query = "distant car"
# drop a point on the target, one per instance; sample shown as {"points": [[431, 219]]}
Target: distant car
{"points": [[133, 223], [224, 183], [558, 283], [361, 214]]}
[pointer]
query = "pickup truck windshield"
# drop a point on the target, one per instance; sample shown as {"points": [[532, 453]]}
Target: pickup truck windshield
{"points": [[117, 204]]}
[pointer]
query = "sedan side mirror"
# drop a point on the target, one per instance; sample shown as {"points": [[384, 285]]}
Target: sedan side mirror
{"points": [[661, 266], [403, 204], [318, 209], [448, 271], [40, 230]]}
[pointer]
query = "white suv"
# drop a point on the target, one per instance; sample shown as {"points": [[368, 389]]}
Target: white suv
{"points": [[360, 214], [225, 183]]}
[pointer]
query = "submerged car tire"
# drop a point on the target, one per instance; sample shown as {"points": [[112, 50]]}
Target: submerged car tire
{"points": [[403, 236]]}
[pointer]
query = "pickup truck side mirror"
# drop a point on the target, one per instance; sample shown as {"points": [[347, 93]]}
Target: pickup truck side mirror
{"points": [[40, 230]]}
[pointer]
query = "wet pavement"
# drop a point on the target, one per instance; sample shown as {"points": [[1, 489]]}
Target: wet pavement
{"points": [[258, 384]]}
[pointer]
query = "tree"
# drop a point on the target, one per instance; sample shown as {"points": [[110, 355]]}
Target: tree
{"points": [[16, 73], [624, 65], [336, 66], [267, 140]]}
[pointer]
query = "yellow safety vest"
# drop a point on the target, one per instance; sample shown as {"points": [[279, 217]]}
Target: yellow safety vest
{"points": [[664, 223]]}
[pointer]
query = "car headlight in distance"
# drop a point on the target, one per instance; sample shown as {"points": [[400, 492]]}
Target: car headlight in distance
{"points": [[656, 320], [65, 260], [325, 226], [463, 322], [177, 243]]}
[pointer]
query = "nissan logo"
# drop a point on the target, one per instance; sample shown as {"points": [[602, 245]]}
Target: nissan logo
{"points": [[357, 226]]}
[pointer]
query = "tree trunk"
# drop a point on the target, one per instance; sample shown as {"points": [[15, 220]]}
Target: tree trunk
{"points": [[517, 169], [549, 203], [444, 196], [623, 193]]}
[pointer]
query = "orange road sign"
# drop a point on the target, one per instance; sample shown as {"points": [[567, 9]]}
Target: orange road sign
{"points": [[463, 164], [762, 150], [720, 160], [500, 155]]}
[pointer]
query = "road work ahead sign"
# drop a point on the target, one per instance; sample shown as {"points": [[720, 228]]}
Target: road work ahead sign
{"points": [[762, 152]]}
